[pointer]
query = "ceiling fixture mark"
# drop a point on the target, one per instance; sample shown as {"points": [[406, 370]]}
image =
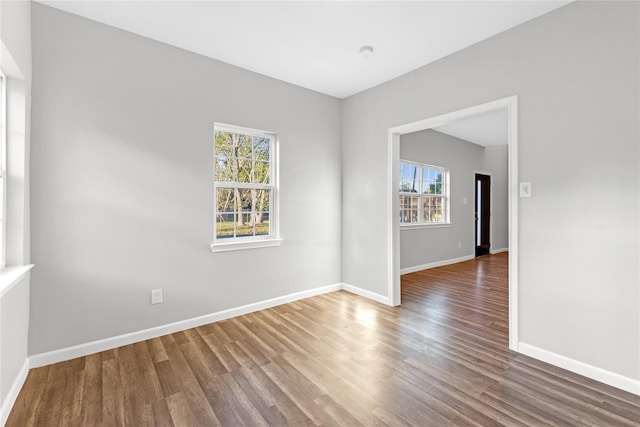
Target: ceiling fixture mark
{"points": [[366, 51]]}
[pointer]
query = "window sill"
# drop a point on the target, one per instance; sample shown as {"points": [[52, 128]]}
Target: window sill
{"points": [[10, 276], [418, 226], [239, 246]]}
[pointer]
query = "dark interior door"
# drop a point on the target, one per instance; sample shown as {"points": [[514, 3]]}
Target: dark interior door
{"points": [[483, 213]]}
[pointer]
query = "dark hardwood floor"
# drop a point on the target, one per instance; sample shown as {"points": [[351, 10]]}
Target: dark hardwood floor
{"points": [[336, 359]]}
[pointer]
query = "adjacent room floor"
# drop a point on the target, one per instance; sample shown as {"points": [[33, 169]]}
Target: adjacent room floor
{"points": [[441, 358]]}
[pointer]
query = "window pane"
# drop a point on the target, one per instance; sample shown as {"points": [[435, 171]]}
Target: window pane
{"points": [[263, 200], [234, 158], [223, 144], [222, 152], [262, 223], [245, 201], [432, 181], [409, 186], [225, 200], [261, 173], [241, 170], [436, 215], [429, 182], [409, 178], [243, 145], [245, 229], [425, 175], [433, 209], [247, 214], [224, 225], [426, 211], [243, 159], [409, 202], [409, 209], [261, 149], [408, 216]]}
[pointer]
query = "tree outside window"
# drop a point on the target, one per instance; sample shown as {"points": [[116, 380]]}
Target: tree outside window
{"points": [[243, 183], [423, 194]]}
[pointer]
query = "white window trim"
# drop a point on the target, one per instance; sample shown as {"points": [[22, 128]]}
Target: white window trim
{"points": [[252, 242], [446, 196], [418, 225]]}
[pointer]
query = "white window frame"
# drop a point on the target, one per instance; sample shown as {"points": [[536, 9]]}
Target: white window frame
{"points": [[250, 242], [3, 169], [421, 223]]}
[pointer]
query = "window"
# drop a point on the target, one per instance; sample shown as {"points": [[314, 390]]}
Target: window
{"points": [[424, 197], [245, 188]]}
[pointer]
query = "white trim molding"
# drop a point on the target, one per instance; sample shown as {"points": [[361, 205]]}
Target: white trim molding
{"points": [[81, 350], [497, 251], [12, 395], [365, 293], [238, 246], [434, 264], [11, 276], [38, 360], [581, 368], [508, 104]]}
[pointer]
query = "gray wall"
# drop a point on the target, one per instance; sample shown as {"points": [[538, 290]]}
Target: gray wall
{"points": [[427, 245], [575, 71], [122, 183], [15, 61], [421, 246]]}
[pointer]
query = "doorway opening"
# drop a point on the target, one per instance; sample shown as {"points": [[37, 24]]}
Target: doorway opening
{"points": [[509, 105], [483, 214]]}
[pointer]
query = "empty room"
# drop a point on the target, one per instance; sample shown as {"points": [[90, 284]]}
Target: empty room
{"points": [[356, 213]]}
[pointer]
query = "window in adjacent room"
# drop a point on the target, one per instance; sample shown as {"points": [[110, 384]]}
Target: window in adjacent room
{"points": [[245, 188], [424, 197]]}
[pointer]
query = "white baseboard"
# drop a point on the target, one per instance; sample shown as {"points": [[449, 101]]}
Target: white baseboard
{"points": [[81, 350], [435, 264], [12, 395], [584, 369], [367, 294], [497, 251], [593, 372]]}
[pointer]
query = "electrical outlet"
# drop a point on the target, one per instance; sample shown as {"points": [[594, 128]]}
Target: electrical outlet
{"points": [[156, 296], [459, 245]]}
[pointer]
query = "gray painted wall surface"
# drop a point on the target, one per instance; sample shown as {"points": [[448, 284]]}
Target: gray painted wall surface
{"points": [[426, 245], [420, 246], [122, 183], [575, 71], [15, 33]]}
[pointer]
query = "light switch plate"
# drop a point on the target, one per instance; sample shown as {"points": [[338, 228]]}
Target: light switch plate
{"points": [[525, 189]]}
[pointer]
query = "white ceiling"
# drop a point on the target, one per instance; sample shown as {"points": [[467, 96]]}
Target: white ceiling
{"points": [[486, 129], [315, 44]]}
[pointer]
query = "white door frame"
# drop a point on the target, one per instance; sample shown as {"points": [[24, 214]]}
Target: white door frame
{"points": [[510, 104]]}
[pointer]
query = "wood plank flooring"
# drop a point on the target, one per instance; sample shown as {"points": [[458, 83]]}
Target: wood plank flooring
{"points": [[336, 359]]}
